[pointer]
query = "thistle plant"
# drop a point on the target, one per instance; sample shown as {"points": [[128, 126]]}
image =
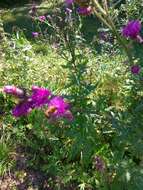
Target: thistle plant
{"points": [[102, 11], [93, 141]]}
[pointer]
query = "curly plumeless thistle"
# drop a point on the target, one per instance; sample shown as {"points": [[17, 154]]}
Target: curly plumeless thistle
{"points": [[39, 97]]}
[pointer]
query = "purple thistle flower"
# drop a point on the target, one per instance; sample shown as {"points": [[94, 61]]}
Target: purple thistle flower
{"points": [[35, 34], [132, 29], [40, 96], [135, 69], [68, 115], [106, 37], [13, 90], [69, 2], [33, 10], [42, 18], [22, 109], [99, 164], [61, 108], [84, 11]]}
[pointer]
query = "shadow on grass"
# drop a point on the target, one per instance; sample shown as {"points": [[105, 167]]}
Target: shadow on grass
{"points": [[16, 3], [20, 18]]}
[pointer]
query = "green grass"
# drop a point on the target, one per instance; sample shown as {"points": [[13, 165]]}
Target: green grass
{"points": [[7, 150], [40, 65]]}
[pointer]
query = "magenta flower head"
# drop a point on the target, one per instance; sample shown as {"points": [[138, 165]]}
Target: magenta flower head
{"points": [[69, 2], [84, 11], [59, 108], [22, 109], [135, 69], [42, 18], [35, 34], [132, 29], [13, 90], [40, 96]]}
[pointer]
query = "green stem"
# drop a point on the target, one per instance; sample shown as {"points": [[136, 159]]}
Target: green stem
{"points": [[121, 42], [104, 16], [99, 7]]}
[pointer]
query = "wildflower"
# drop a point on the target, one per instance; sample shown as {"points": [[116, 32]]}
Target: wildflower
{"points": [[22, 109], [68, 115], [40, 96], [84, 10], [99, 164], [69, 2], [49, 17], [69, 11], [139, 39], [33, 10], [135, 69], [42, 18], [35, 34], [13, 90], [60, 108], [132, 29], [68, 17]]}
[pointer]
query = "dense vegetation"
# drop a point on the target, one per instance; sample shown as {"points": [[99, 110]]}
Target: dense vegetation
{"points": [[71, 97]]}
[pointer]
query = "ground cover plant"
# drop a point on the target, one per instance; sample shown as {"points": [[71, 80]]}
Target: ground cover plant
{"points": [[71, 96]]}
